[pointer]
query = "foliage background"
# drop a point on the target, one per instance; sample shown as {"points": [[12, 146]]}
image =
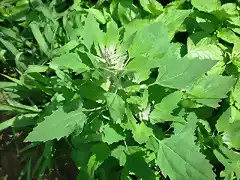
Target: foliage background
{"points": [[123, 89]]}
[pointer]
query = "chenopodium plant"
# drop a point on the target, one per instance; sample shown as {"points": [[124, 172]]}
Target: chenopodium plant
{"points": [[129, 94]]}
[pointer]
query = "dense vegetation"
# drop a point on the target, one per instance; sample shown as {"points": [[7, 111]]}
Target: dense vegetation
{"points": [[125, 89]]}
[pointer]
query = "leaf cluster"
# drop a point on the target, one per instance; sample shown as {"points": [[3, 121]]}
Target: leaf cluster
{"points": [[137, 90]]}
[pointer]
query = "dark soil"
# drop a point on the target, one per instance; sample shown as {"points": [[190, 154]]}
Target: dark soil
{"points": [[12, 162]]}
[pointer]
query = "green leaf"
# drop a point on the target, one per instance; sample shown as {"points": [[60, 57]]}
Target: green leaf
{"points": [[231, 135], [4, 107], [126, 11], [9, 32], [110, 135], [39, 38], [25, 120], [119, 153], [152, 60], [18, 105], [230, 9], [173, 18], [151, 39], [142, 102], [45, 10], [58, 125], [162, 111], [212, 87], [100, 153], [116, 106], [97, 14], [182, 73], [223, 121], [229, 167], [10, 47], [235, 93], [218, 69], [71, 61], [207, 22], [234, 21], [131, 121], [210, 51], [132, 27], [207, 90], [13, 79], [49, 34], [7, 123], [179, 158], [81, 155], [206, 5], [112, 35], [227, 35], [141, 133], [4, 84], [201, 38], [66, 48], [189, 126], [230, 159], [136, 164], [91, 32], [36, 68], [204, 48], [152, 6], [91, 91]]}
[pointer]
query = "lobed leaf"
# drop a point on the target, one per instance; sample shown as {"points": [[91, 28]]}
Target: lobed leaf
{"points": [[179, 158], [116, 106], [58, 125]]}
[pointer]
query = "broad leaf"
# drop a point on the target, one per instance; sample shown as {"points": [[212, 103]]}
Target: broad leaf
{"points": [[66, 48], [231, 135], [112, 35], [150, 39], [70, 61], [127, 11], [142, 102], [152, 61], [110, 135], [97, 14], [137, 164], [179, 158], [91, 32], [230, 167], [58, 125], [227, 35], [189, 126], [212, 87], [133, 27], [100, 153], [142, 133], [173, 18], [182, 73], [162, 111], [119, 153], [152, 6], [116, 106], [211, 52], [207, 5], [224, 120], [205, 51], [230, 159]]}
